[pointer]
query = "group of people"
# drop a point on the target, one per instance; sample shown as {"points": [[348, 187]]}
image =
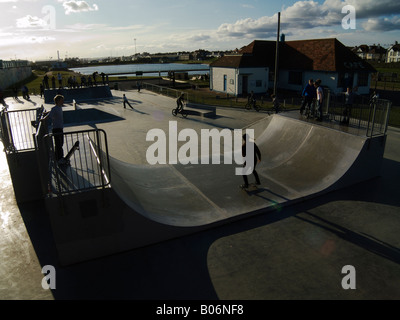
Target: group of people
{"points": [[72, 81], [313, 92]]}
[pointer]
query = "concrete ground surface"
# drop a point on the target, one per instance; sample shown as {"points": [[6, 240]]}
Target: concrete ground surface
{"points": [[291, 253]]}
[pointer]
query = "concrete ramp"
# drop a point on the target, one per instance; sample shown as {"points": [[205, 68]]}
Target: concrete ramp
{"points": [[299, 160], [162, 194], [149, 204], [306, 158]]}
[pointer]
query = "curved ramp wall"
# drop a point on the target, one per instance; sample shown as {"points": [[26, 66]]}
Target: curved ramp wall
{"points": [[149, 204]]}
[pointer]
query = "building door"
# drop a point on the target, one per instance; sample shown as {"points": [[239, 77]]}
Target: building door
{"points": [[245, 85], [225, 82]]}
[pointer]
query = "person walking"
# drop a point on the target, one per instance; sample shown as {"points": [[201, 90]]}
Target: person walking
{"points": [[126, 102], [46, 81], [256, 159]]}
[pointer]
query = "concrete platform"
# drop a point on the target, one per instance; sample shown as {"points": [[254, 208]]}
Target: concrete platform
{"points": [[294, 252], [78, 94]]}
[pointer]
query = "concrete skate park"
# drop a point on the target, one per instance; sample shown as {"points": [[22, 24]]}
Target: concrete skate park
{"points": [[327, 199]]}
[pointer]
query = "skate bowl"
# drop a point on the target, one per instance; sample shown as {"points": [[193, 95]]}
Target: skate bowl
{"points": [[300, 160], [148, 204]]}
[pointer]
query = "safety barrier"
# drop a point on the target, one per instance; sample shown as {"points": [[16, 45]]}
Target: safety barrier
{"points": [[85, 165], [18, 129], [370, 114]]}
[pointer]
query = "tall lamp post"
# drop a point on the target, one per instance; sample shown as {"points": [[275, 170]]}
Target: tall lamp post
{"points": [[135, 46], [277, 55]]}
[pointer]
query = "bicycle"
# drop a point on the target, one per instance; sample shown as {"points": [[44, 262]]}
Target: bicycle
{"points": [[249, 105], [182, 111], [312, 112], [276, 109]]}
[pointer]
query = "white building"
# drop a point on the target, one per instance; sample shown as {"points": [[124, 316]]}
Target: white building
{"points": [[393, 54], [252, 69]]}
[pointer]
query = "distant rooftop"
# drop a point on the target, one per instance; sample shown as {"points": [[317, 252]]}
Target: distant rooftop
{"points": [[317, 55]]}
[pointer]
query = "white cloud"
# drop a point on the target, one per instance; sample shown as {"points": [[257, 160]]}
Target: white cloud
{"points": [[382, 24], [31, 22], [84, 27], [311, 15], [74, 6], [17, 41]]}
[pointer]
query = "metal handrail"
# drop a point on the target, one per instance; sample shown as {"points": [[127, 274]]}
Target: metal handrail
{"points": [[89, 169]]}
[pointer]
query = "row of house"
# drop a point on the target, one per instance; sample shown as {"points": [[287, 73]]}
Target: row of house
{"points": [[378, 53], [253, 67], [393, 53]]}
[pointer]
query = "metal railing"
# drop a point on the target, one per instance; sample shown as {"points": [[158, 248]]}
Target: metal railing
{"points": [[18, 130], [86, 168], [165, 91], [369, 114]]}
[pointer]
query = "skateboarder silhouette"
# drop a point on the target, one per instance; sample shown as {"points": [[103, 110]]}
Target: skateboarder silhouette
{"points": [[257, 159], [126, 102]]}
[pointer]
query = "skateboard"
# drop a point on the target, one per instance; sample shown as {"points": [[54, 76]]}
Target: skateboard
{"points": [[251, 187], [39, 113], [66, 159]]}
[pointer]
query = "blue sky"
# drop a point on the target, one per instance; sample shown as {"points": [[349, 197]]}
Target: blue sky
{"points": [[37, 29]]}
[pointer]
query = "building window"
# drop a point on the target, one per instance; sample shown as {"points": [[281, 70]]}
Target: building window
{"points": [[341, 80], [363, 79], [295, 77], [258, 83]]}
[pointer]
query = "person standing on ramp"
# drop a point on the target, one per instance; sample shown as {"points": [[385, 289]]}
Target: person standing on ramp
{"points": [[256, 160]]}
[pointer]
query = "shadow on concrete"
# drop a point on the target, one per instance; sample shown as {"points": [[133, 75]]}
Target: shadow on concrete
{"points": [[178, 268], [88, 116], [365, 241]]}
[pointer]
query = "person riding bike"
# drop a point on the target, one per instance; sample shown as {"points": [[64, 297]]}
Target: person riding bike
{"points": [[252, 100], [275, 103], [179, 103]]}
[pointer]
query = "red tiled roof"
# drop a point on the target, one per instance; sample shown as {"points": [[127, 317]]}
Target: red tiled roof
{"points": [[317, 55]]}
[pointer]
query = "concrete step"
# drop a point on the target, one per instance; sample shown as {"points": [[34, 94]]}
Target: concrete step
{"points": [[201, 110]]}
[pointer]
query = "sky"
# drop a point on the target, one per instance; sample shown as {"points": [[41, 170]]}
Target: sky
{"points": [[47, 29]]}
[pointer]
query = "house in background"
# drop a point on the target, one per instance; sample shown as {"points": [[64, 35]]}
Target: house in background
{"points": [[373, 53], [393, 54], [248, 70], [361, 51], [252, 68]]}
